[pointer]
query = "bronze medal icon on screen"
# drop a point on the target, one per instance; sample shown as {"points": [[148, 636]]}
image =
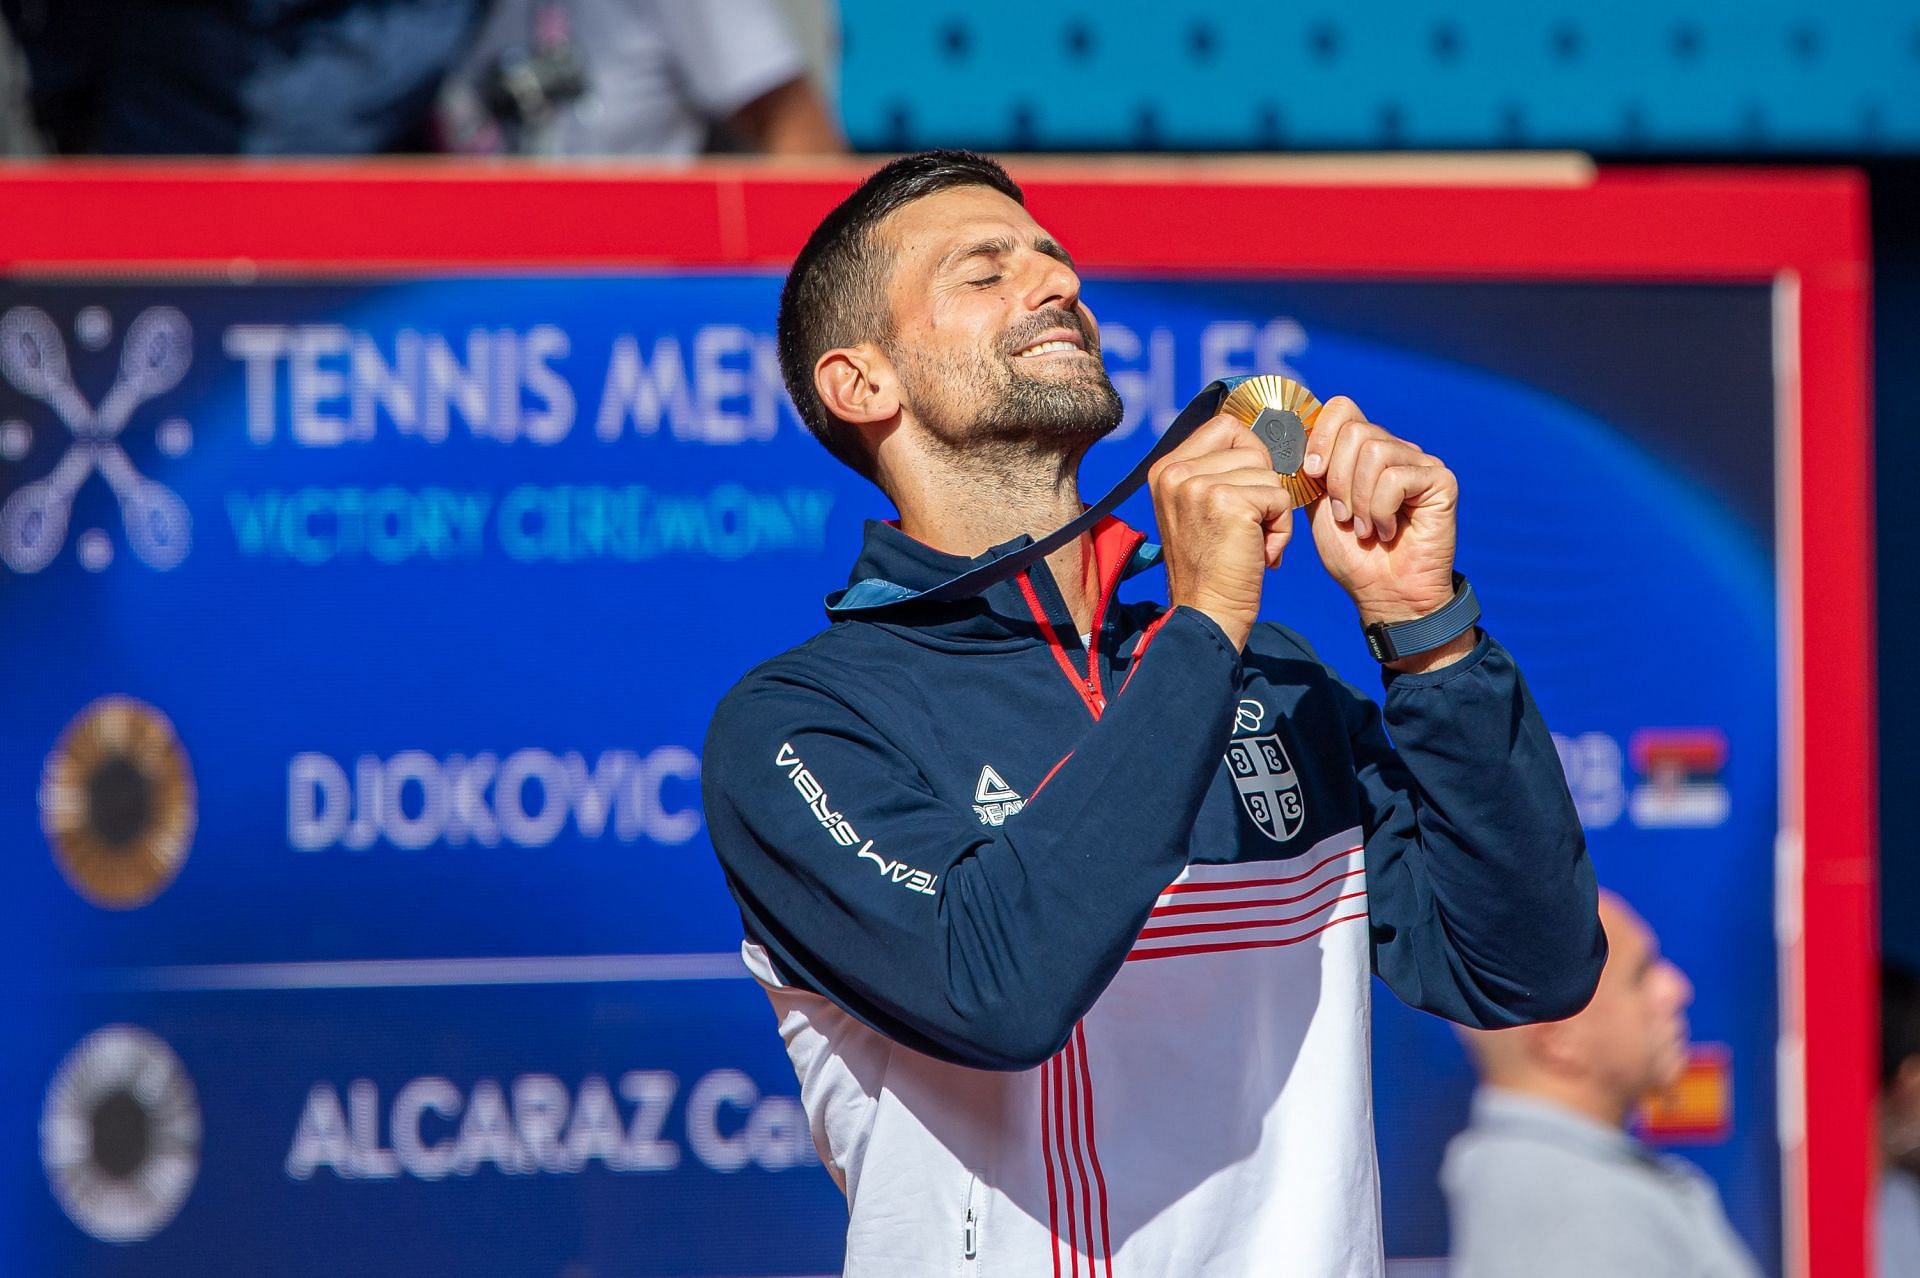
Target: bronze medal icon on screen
{"points": [[1281, 413], [117, 803]]}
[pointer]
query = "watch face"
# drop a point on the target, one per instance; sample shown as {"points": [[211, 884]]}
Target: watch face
{"points": [[1282, 413]]}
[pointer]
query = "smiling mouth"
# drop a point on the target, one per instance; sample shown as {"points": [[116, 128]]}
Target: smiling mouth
{"points": [[1048, 348]]}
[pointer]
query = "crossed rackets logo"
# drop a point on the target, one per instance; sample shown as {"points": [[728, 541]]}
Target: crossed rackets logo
{"points": [[153, 358]]}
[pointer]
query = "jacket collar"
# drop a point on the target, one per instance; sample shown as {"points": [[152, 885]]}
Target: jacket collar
{"points": [[893, 564]]}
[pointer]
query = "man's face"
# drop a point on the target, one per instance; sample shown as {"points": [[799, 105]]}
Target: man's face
{"points": [[989, 336], [1633, 1036]]}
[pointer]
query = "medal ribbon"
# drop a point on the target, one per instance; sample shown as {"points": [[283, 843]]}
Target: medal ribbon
{"points": [[873, 594]]}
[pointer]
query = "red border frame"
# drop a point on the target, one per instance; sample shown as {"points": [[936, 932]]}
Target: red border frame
{"points": [[1805, 230]]}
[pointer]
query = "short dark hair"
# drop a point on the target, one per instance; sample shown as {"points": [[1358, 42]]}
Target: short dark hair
{"points": [[835, 294], [1899, 1020]]}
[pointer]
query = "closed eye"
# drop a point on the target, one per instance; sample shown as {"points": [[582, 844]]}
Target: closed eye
{"points": [[986, 280]]}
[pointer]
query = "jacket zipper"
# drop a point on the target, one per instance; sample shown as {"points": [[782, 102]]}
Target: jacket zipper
{"points": [[1109, 584], [970, 1230], [1087, 684]]}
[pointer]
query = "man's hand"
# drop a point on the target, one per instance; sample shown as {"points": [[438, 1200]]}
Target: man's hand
{"points": [[1224, 518], [1386, 528]]}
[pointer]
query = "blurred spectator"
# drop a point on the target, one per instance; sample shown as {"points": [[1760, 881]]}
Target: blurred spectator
{"points": [[639, 77], [256, 77], [1546, 1182], [1899, 1212], [16, 122]]}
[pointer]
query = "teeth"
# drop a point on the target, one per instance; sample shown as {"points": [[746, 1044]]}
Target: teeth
{"points": [[1045, 348]]}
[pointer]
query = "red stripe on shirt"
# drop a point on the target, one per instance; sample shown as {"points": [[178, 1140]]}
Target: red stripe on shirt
{"points": [[1069, 1062], [1181, 950], [1249, 883], [1255, 902], [1140, 649], [1046, 1154], [1051, 773], [1093, 1148], [1241, 925], [1066, 1175]]}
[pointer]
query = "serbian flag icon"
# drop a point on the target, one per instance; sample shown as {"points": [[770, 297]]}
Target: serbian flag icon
{"points": [[1680, 785], [1698, 1108]]}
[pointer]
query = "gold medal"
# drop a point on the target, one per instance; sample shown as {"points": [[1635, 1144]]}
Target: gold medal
{"points": [[1281, 413]]}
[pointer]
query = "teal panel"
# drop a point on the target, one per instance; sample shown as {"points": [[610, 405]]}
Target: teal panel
{"points": [[1706, 76]]}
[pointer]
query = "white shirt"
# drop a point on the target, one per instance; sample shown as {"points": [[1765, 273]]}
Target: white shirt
{"points": [[1176, 1134]]}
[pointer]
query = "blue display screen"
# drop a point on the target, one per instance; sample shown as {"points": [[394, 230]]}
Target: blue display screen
{"points": [[360, 642]]}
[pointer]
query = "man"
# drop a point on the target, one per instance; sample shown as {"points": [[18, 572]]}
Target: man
{"points": [[638, 77], [245, 77], [1066, 904], [1546, 1182], [1898, 1216], [17, 135]]}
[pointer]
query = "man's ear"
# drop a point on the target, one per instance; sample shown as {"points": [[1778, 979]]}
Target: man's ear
{"points": [[857, 384], [1557, 1046]]}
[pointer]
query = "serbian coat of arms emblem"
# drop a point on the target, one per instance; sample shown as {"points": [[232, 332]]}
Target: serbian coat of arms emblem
{"points": [[1268, 785]]}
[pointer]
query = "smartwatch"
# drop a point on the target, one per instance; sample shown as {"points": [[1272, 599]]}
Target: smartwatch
{"points": [[1390, 641]]}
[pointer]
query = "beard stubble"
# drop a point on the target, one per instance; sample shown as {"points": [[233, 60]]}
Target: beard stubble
{"points": [[991, 414]]}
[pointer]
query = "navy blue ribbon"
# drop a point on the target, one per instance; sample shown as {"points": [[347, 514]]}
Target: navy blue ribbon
{"points": [[874, 593]]}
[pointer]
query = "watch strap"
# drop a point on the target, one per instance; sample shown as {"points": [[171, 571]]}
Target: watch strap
{"points": [[1390, 641]]}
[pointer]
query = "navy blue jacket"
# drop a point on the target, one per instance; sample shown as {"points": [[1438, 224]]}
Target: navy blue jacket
{"points": [[953, 821]]}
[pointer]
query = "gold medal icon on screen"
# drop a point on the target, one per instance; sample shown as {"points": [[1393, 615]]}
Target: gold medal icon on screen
{"points": [[117, 803], [1281, 413]]}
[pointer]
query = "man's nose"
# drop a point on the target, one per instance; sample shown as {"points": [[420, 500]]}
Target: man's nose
{"points": [[1052, 283], [1682, 987]]}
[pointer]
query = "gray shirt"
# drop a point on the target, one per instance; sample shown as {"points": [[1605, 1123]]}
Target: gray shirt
{"points": [[1899, 1224], [1535, 1190], [657, 71]]}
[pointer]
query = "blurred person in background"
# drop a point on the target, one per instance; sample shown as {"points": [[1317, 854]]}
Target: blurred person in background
{"points": [[1899, 1211], [252, 77], [644, 78], [16, 119], [1546, 1182]]}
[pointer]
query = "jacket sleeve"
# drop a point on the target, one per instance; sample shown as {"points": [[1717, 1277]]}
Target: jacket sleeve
{"points": [[980, 945], [1483, 902]]}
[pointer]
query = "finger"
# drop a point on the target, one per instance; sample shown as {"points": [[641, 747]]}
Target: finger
{"points": [[1403, 488], [1259, 492], [1373, 459], [1278, 535], [1343, 456], [1216, 463], [1222, 432], [1218, 434], [1247, 477], [1387, 495], [1334, 415]]}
